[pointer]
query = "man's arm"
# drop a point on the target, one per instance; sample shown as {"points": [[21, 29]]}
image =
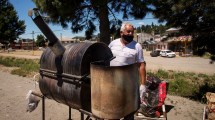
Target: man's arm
{"points": [[142, 73]]}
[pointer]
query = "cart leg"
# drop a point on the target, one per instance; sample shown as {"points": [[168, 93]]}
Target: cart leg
{"points": [[43, 108], [69, 113], [164, 111], [82, 116], [204, 113]]}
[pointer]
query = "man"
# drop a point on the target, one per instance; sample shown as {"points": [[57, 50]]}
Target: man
{"points": [[128, 51]]}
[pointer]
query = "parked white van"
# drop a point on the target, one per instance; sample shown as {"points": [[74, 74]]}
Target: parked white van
{"points": [[167, 53]]}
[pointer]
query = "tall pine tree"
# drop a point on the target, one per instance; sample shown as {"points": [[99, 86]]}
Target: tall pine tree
{"points": [[86, 14], [10, 25]]}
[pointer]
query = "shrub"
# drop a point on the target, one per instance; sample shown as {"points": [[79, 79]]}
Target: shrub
{"points": [[187, 84]]}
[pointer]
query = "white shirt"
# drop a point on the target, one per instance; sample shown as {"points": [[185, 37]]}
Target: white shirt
{"points": [[126, 54]]}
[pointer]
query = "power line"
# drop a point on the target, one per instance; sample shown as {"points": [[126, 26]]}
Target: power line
{"points": [[41, 32], [31, 33], [137, 19]]}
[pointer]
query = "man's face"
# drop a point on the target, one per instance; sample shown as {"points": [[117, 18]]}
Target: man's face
{"points": [[129, 31], [127, 34]]}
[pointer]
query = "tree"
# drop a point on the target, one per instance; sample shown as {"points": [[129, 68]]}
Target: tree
{"points": [[194, 17], [40, 41], [156, 29], [84, 14], [10, 25]]}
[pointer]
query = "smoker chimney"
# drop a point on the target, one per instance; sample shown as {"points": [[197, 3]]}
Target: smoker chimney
{"points": [[54, 43]]}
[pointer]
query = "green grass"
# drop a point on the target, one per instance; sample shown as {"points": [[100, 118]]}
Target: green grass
{"points": [[25, 66], [186, 84]]}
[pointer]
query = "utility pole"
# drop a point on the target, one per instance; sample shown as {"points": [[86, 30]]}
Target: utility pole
{"points": [[33, 42], [61, 37], [137, 37], [142, 34]]}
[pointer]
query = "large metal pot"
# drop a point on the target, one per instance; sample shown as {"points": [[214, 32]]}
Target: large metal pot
{"points": [[114, 90]]}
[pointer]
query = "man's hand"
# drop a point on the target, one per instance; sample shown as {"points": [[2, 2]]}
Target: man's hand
{"points": [[142, 91]]}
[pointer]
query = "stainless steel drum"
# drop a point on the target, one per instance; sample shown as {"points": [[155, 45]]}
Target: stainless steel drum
{"points": [[114, 90], [65, 78]]}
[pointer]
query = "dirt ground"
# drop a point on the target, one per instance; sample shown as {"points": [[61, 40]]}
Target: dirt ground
{"points": [[13, 90]]}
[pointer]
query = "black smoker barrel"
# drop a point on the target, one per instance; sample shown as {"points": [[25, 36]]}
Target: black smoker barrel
{"points": [[66, 78]]}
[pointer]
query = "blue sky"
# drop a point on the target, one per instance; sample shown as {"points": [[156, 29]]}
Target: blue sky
{"points": [[22, 7]]}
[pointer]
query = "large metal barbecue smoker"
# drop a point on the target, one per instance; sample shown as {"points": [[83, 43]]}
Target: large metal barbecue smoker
{"points": [[79, 75]]}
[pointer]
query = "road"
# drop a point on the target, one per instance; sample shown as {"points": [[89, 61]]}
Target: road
{"points": [[186, 64]]}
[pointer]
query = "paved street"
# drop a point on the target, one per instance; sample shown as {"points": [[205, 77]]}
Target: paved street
{"points": [[186, 64]]}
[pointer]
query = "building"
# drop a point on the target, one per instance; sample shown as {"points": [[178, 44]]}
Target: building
{"points": [[26, 44], [142, 37], [66, 40], [181, 44], [146, 40], [1, 46]]}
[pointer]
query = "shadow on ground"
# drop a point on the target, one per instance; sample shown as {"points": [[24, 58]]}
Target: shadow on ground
{"points": [[168, 108]]}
